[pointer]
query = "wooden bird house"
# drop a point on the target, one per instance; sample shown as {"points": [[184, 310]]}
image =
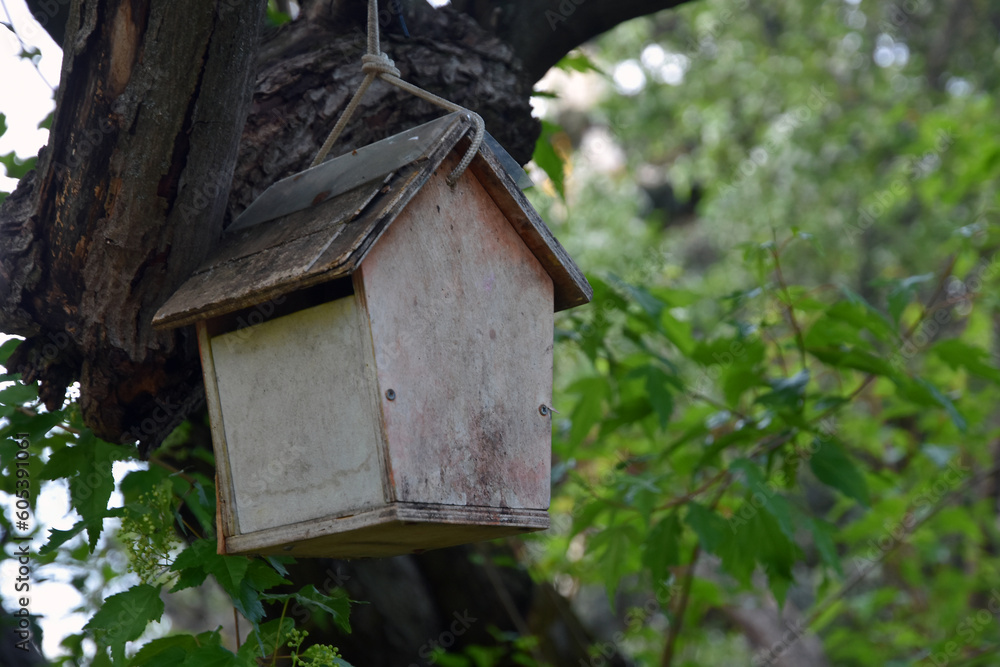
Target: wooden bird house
{"points": [[377, 353]]}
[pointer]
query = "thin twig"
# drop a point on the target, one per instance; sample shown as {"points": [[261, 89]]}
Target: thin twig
{"points": [[277, 638], [800, 340], [924, 313], [717, 404], [675, 627], [506, 600], [860, 575]]}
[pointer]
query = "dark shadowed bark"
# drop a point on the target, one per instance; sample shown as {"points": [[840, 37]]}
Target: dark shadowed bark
{"points": [[126, 200], [541, 32]]}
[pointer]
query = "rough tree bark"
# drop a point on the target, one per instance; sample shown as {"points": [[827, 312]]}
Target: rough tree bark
{"points": [[148, 159], [126, 200]]}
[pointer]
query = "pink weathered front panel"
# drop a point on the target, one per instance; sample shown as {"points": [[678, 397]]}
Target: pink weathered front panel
{"points": [[462, 327]]}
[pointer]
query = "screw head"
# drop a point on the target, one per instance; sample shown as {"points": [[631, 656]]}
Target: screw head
{"points": [[543, 410], [391, 394]]}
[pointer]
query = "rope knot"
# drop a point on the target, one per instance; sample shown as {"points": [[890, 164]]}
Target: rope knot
{"points": [[379, 64]]}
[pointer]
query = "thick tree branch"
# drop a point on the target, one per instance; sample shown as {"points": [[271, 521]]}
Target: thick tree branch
{"points": [[541, 32], [128, 197]]}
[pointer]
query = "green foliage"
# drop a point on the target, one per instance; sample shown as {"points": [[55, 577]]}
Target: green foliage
{"points": [[124, 617], [156, 500], [790, 394], [551, 157]]}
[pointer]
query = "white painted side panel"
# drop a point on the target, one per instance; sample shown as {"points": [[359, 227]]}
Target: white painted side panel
{"points": [[462, 324], [300, 424]]}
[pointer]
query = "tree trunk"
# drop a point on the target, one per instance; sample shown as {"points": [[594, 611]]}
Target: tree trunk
{"points": [[127, 199]]}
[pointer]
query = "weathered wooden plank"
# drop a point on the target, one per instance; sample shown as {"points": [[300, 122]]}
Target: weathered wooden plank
{"points": [[461, 315], [226, 519], [323, 242], [301, 419], [571, 286], [329, 217], [333, 178], [399, 528]]}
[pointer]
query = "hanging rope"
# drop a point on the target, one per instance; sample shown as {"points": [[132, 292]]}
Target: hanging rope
{"points": [[377, 65]]}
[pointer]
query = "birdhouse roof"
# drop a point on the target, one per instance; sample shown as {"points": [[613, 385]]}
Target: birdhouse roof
{"points": [[318, 225]]}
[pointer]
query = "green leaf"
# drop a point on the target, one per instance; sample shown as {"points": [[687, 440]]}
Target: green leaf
{"points": [[959, 354], [863, 316], [264, 638], [656, 383], [59, 537], [764, 496], [823, 532], [614, 544], [712, 530], [8, 346], [191, 564], [88, 465], [241, 578], [15, 166], [164, 652], [902, 294], [19, 394], [577, 61], [677, 332], [956, 417], [211, 655], [593, 391], [549, 159], [277, 18], [774, 551], [662, 547], [123, 618], [833, 467], [337, 604], [788, 393]]}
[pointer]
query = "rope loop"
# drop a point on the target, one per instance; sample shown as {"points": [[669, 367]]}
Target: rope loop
{"points": [[378, 64]]}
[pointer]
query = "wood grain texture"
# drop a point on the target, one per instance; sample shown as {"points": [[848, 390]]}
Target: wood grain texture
{"points": [[400, 528], [225, 517], [316, 244], [461, 316], [329, 240], [571, 286], [128, 198], [300, 417]]}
